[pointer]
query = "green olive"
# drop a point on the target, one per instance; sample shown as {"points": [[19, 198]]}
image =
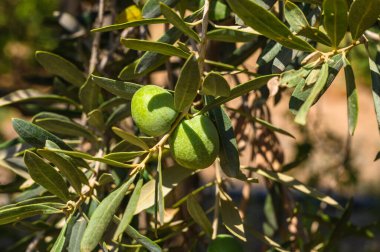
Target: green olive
{"points": [[194, 144], [225, 243], [153, 110]]}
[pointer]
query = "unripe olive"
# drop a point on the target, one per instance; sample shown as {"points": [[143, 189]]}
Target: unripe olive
{"points": [[194, 144], [153, 110], [225, 243]]}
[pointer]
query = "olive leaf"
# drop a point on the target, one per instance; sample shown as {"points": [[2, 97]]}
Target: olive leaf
{"points": [[187, 84], [119, 88], [362, 15], [130, 138], [231, 217], [134, 23], [45, 175], [214, 84], [102, 216], [335, 19], [152, 9], [352, 96], [61, 67], [198, 214]]}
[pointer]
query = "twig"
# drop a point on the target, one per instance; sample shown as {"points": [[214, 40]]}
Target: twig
{"points": [[96, 41], [203, 45]]}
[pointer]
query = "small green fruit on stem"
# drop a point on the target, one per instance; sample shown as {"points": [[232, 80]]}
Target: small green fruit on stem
{"points": [[194, 144], [225, 243], [153, 110]]}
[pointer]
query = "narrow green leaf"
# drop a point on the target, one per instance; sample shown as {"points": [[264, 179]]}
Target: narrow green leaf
{"points": [[267, 240], [50, 201], [119, 88], [231, 218], [102, 216], [59, 66], [46, 175], [73, 174], [89, 157], [268, 24], [96, 119], [335, 19], [124, 156], [232, 35], [239, 90], [152, 9], [18, 213], [77, 234], [143, 240], [198, 215], [315, 34], [228, 149], [35, 135], [177, 21], [187, 84], [295, 17], [214, 84], [106, 178], [31, 95], [170, 178], [363, 14], [317, 88], [352, 96], [61, 239], [65, 128], [130, 209], [89, 95], [375, 75], [297, 185], [134, 23], [119, 114], [152, 46], [130, 138]]}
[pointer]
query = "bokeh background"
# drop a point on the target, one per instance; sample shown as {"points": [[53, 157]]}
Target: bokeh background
{"points": [[335, 163]]}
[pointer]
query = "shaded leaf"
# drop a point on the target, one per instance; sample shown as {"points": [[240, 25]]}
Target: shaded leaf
{"points": [[315, 34], [228, 149], [59, 66], [232, 35], [187, 84], [214, 84], [89, 95], [198, 215], [119, 88], [335, 19], [124, 156], [119, 114], [170, 178], [177, 21], [35, 135], [297, 185], [77, 234], [267, 240], [102, 216], [295, 17], [130, 138], [152, 9], [363, 14], [143, 240], [46, 175], [133, 23], [239, 90], [73, 174], [130, 209], [17, 213], [375, 76], [61, 239], [352, 96], [31, 95], [89, 157], [317, 88], [231, 218], [267, 24], [152, 46]]}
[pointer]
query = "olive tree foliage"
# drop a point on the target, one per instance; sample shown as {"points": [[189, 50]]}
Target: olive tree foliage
{"points": [[89, 179]]}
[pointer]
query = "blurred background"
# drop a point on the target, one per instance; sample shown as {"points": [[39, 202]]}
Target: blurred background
{"points": [[337, 164]]}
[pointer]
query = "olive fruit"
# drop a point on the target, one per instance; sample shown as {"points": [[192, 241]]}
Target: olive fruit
{"points": [[225, 243], [153, 110], [194, 144]]}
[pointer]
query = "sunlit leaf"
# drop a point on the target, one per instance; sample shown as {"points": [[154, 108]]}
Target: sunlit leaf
{"points": [[134, 23], [152, 9], [295, 17], [76, 235], [130, 138], [352, 96], [335, 19], [119, 88], [231, 218], [102, 216], [198, 215], [363, 14], [214, 84]]}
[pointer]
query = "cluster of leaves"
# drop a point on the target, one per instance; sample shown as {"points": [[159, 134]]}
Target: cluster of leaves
{"points": [[81, 171]]}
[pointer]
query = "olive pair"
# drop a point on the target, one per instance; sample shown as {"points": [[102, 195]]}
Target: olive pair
{"points": [[194, 143]]}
